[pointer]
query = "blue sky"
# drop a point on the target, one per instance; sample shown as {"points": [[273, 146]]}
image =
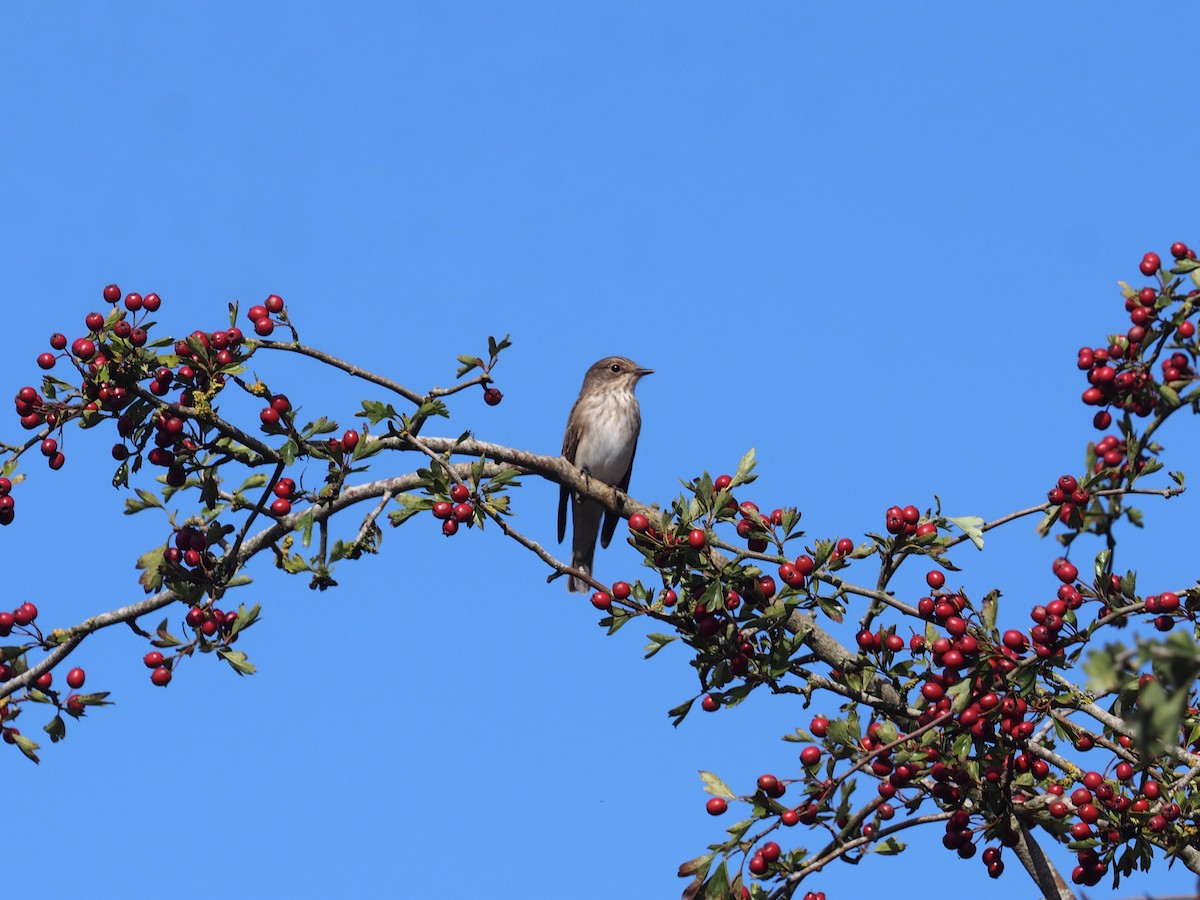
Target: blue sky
{"points": [[865, 240]]}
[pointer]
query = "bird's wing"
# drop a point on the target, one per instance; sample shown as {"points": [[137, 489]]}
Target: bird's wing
{"points": [[570, 445], [611, 518]]}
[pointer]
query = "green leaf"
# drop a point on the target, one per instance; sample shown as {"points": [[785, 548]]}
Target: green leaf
{"points": [[374, 411], [145, 500], [288, 452], [970, 526], [56, 728], [151, 564], [257, 480], [1169, 396], [494, 346], [321, 426], [657, 642], [715, 786], [991, 605], [237, 659], [717, 887], [245, 618], [888, 847], [26, 746], [165, 638], [410, 505], [745, 468], [1100, 667], [679, 713], [698, 866]]}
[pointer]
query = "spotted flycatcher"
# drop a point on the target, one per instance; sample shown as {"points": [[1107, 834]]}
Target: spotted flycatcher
{"points": [[601, 439]]}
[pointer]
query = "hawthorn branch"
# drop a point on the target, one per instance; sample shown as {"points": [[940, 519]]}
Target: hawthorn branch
{"points": [[349, 368], [1039, 867]]}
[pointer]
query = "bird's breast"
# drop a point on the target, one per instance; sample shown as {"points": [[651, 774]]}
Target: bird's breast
{"points": [[607, 439]]}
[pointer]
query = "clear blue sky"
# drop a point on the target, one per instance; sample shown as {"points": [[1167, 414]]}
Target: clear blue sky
{"points": [[865, 240]]}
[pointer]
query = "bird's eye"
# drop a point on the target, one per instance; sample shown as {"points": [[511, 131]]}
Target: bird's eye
{"points": [[615, 367]]}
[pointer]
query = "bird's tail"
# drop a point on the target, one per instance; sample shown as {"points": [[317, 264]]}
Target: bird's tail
{"points": [[586, 522]]}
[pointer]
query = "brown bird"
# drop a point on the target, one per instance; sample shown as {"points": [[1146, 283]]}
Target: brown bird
{"points": [[601, 439]]}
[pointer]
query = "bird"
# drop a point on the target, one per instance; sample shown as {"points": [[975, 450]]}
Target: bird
{"points": [[601, 439]]}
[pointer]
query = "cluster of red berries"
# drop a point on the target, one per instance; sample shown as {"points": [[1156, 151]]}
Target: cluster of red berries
{"points": [[285, 492], [1163, 605], [455, 511], [209, 620], [1049, 619], [1134, 390], [190, 550], [1110, 454], [907, 521], [793, 574], [1071, 500], [8, 505], [160, 672], [278, 410], [260, 316], [22, 616]]}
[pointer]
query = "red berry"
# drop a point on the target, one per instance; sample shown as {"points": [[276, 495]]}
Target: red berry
{"points": [[935, 578], [151, 302], [153, 659], [281, 506], [492, 397], [112, 293], [844, 546], [269, 417], [601, 600], [1186, 330], [274, 303], [280, 403], [75, 679], [449, 527], [722, 482], [1150, 264], [349, 441], [789, 817], [819, 726], [716, 806], [83, 348], [264, 327], [284, 487], [810, 756], [697, 538], [443, 509], [621, 590], [638, 523], [46, 360], [45, 680], [161, 676], [463, 512], [460, 493], [709, 703], [257, 313], [669, 598], [1014, 640], [767, 783], [1066, 572]]}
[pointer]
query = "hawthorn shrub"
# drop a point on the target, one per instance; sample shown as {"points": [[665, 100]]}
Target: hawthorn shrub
{"points": [[1005, 740]]}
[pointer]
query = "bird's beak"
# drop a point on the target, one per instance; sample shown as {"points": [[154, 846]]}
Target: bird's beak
{"points": [[640, 372]]}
